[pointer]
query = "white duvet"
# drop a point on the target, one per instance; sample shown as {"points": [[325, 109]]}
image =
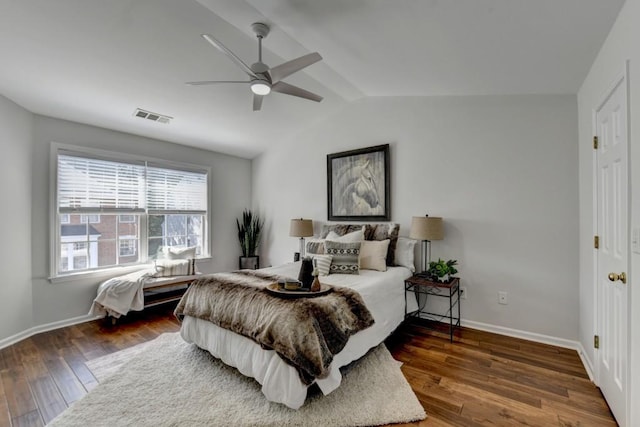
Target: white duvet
{"points": [[383, 294]]}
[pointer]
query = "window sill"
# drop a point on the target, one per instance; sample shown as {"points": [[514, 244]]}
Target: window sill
{"points": [[98, 274], [106, 273]]}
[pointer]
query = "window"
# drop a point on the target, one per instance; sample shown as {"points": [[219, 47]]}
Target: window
{"points": [[128, 246], [114, 212], [126, 219], [91, 219], [175, 230]]}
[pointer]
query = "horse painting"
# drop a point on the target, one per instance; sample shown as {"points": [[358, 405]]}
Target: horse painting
{"points": [[358, 187]]}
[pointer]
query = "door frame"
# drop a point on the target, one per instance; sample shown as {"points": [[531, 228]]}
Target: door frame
{"points": [[620, 78]]}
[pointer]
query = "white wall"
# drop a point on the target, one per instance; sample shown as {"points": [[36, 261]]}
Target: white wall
{"points": [[620, 46], [502, 171], [231, 190], [16, 142]]}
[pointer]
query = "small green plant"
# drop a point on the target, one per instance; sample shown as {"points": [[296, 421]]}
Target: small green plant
{"points": [[442, 270], [249, 232]]}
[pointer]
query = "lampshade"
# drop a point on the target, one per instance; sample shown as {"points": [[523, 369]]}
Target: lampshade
{"points": [[426, 228], [301, 228]]}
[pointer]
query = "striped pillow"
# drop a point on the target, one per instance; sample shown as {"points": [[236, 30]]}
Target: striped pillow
{"points": [[345, 257], [314, 246], [322, 263]]}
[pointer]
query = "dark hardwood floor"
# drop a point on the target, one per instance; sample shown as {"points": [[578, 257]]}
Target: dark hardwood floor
{"points": [[481, 379]]}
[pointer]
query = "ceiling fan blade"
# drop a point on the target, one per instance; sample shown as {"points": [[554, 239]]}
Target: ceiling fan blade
{"points": [[214, 82], [288, 89], [281, 71], [230, 54], [257, 102]]}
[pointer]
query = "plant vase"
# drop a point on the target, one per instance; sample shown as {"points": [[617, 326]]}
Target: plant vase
{"points": [[249, 262], [249, 233]]}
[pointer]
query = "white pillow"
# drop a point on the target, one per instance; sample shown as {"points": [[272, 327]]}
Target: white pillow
{"points": [[353, 237], [181, 253], [373, 255], [173, 267], [322, 263], [405, 253]]}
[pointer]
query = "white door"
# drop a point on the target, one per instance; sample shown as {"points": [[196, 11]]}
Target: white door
{"points": [[612, 202]]}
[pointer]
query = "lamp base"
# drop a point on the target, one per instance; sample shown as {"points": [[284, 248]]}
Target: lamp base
{"points": [[301, 247]]}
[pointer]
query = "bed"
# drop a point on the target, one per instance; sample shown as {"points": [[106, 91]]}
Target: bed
{"points": [[383, 295]]}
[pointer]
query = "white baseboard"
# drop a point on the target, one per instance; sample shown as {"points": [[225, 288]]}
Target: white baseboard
{"points": [[516, 333], [588, 365], [6, 342]]}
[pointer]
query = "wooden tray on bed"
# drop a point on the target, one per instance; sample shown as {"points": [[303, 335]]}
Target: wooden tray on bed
{"points": [[273, 289]]}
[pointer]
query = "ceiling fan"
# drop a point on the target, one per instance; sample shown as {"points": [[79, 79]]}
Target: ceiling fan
{"points": [[263, 79]]}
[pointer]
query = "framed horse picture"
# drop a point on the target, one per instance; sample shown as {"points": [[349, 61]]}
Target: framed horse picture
{"points": [[358, 185]]}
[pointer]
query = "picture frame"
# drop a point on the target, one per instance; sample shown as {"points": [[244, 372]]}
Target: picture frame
{"points": [[358, 185]]}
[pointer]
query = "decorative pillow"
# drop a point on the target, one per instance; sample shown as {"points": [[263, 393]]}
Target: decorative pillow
{"points": [[355, 236], [314, 247], [339, 229], [322, 263], [173, 267], [373, 255], [180, 253], [381, 231], [405, 253], [384, 231], [345, 257]]}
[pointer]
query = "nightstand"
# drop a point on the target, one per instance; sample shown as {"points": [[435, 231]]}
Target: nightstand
{"points": [[418, 285]]}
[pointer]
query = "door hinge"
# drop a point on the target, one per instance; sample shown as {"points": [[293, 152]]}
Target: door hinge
{"points": [[596, 242], [596, 341], [595, 142]]}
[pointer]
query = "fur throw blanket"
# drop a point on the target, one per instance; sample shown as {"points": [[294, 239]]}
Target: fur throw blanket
{"points": [[305, 332]]}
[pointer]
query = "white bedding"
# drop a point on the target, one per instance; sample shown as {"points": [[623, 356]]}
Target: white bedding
{"points": [[383, 294]]}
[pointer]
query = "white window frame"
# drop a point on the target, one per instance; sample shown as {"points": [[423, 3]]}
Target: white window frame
{"points": [[55, 243], [128, 238]]}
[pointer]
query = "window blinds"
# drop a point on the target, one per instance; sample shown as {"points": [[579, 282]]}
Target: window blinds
{"points": [[90, 185], [176, 191]]}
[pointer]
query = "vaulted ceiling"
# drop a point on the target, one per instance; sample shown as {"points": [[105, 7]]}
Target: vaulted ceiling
{"points": [[95, 62]]}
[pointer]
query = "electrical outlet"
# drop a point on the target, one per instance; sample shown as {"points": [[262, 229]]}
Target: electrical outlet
{"points": [[463, 293], [502, 297]]}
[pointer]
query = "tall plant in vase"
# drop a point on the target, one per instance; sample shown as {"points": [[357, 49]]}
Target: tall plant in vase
{"points": [[249, 233]]}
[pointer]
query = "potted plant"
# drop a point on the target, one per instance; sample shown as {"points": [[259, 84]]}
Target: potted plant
{"points": [[249, 233], [442, 271]]}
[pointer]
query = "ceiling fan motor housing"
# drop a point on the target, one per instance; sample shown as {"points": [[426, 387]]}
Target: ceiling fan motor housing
{"points": [[261, 30]]}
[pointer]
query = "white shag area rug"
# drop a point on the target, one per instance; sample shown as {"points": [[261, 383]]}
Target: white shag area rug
{"points": [[167, 382]]}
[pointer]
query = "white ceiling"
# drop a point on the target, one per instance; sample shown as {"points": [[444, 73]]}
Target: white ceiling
{"points": [[95, 61]]}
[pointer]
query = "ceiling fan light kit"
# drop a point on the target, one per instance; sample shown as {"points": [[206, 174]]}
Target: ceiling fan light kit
{"points": [[260, 87], [262, 79]]}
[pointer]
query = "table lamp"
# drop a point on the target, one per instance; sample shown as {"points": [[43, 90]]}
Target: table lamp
{"points": [[426, 228], [301, 228]]}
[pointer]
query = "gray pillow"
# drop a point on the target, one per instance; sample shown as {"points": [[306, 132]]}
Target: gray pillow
{"points": [[345, 257], [314, 247]]}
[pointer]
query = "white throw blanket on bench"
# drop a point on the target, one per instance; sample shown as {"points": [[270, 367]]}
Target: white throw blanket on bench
{"points": [[117, 296]]}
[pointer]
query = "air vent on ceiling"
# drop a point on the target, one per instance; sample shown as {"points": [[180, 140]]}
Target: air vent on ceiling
{"points": [[154, 117]]}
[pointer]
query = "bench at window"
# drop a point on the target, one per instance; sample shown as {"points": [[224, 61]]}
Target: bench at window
{"points": [[161, 290]]}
